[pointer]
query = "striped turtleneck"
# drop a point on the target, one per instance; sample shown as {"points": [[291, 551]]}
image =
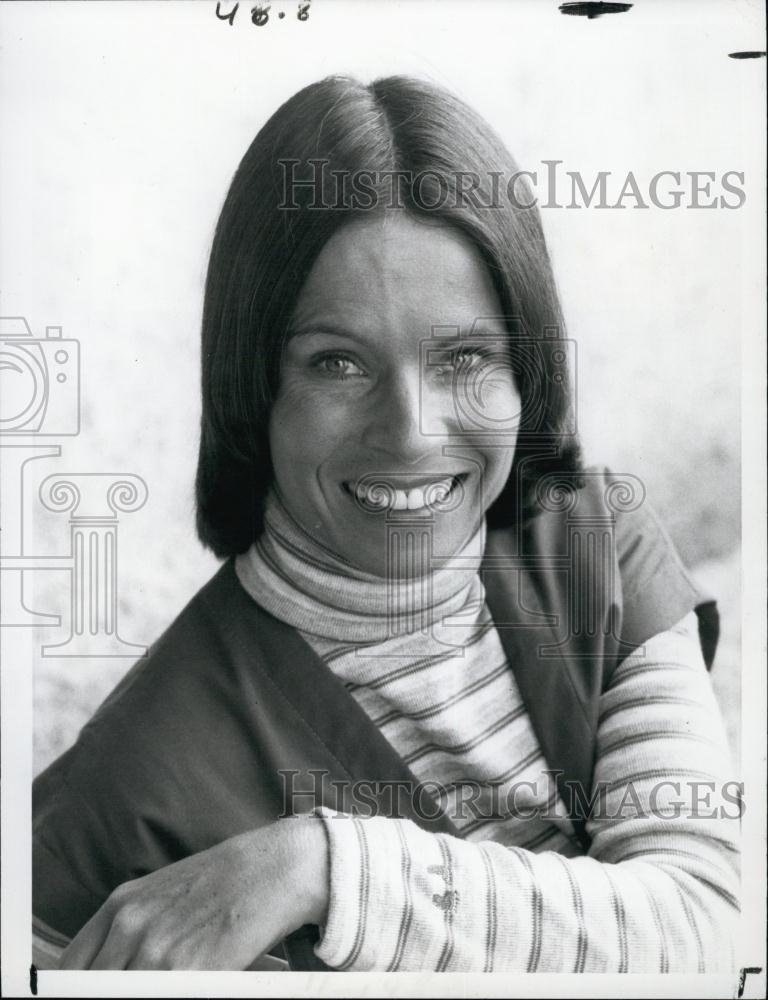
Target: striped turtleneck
{"points": [[301, 582], [656, 893], [423, 660]]}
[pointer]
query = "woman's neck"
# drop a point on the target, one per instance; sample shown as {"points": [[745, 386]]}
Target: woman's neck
{"points": [[298, 580]]}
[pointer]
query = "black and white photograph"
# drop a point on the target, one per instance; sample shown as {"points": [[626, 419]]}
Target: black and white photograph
{"points": [[383, 548]]}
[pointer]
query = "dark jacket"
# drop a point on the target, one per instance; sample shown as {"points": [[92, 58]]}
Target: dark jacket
{"points": [[231, 707]]}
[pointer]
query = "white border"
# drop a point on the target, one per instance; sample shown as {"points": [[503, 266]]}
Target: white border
{"points": [[16, 693]]}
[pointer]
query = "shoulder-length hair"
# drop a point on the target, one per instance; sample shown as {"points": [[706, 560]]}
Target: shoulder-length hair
{"points": [[335, 150]]}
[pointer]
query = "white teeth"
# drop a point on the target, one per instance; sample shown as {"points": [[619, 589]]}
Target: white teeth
{"points": [[401, 500], [413, 499]]}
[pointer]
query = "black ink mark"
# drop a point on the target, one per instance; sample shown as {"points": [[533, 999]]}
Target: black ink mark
{"points": [[303, 13], [593, 10], [227, 17], [743, 973], [33, 979], [746, 55], [260, 14], [281, 14]]}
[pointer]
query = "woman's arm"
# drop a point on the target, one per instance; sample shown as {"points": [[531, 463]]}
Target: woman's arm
{"points": [[218, 909], [655, 894]]}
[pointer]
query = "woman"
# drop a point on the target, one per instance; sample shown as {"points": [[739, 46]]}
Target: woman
{"points": [[477, 665]]}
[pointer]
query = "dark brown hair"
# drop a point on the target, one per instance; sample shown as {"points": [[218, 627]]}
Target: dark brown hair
{"points": [[422, 139]]}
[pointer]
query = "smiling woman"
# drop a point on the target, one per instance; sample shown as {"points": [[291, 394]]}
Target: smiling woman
{"points": [[416, 147], [355, 406], [479, 668]]}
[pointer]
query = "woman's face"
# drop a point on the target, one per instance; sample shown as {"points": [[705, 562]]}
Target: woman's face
{"points": [[395, 372]]}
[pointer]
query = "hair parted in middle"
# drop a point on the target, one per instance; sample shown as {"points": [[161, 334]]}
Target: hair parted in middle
{"points": [[397, 144]]}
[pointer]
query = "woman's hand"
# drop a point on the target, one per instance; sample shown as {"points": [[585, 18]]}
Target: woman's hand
{"points": [[218, 909]]}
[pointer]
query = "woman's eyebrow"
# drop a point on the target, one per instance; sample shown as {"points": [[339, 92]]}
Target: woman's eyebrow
{"points": [[327, 329], [440, 336], [473, 335]]}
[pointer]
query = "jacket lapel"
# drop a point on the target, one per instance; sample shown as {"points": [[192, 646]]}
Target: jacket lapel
{"points": [[332, 721], [559, 718]]}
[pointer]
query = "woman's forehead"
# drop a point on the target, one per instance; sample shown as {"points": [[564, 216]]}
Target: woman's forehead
{"points": [[392, 267], [403, 230]]}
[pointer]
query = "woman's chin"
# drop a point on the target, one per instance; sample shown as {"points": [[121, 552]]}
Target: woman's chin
{"points": [[404, 549]]}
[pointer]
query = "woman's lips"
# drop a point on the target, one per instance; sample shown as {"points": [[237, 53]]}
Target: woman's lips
{"points": [[378, 493]]}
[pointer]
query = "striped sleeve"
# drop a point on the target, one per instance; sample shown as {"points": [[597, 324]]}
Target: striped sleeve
{"points": [[658, 891]]}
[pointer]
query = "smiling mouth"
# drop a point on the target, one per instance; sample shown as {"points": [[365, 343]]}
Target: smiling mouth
{"points": [[379, 494]]}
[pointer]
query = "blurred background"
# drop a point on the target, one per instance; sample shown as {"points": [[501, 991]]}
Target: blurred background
{"points": [[122, 125]]}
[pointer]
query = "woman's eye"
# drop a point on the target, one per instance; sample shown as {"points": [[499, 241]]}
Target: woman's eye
{"points": [[463, 360], [468, 357], [337, 366]]}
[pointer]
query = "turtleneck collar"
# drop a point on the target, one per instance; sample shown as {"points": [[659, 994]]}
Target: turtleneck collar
{"points": [[296, 579]]}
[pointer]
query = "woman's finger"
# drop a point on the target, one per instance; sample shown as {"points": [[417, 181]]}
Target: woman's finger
{"points": [[152, 958], [119, 946], [86, 944]]}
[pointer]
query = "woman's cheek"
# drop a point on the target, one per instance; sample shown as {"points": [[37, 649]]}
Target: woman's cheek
{"points": [[310, 419], [504, 405]]}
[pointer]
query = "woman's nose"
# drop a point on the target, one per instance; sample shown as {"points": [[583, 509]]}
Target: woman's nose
{"points": [[407, 416]]}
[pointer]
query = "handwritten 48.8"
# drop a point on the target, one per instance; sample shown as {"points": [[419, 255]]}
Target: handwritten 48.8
{"points": [[259, 13]]}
